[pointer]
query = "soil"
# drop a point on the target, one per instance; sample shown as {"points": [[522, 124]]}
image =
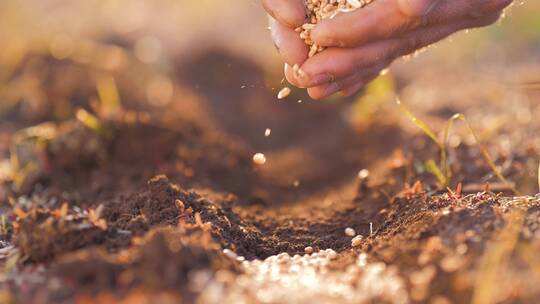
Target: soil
{"points": [[141, 211]]}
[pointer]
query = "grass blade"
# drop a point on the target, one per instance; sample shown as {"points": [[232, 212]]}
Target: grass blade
{"points": [[487, 157], [446, 171], [432, 168], [419, 123]]}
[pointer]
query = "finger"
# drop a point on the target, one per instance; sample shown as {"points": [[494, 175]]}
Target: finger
{"points": [[300, 79], [355, 87], [356, 81], [289, 44], [336, 63], [379, 20], [394, 18], [291, 13]]}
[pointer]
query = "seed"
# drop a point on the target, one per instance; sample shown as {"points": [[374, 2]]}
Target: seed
{"points": [[230, 254], [259, 159], [332, 255], [284, 93], [267, 132], [356, 241], [350, 232], [318, 10], [363, 174], [308, 250]]}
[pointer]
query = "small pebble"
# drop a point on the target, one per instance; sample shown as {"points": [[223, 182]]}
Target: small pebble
{"points": [[357, 240]]}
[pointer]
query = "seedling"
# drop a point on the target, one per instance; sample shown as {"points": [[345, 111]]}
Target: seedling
{"points": [[444, 176], [90, 121], [108, 96]]}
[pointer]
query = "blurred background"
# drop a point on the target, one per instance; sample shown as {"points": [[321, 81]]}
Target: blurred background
{"points": [[213, 61]]}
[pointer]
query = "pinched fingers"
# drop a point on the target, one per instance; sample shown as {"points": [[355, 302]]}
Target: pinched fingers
{"points": [[337, 63], [381, 19], [385, 19]]}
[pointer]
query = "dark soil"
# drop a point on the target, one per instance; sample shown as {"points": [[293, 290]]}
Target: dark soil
{"points": [[136, 212]]}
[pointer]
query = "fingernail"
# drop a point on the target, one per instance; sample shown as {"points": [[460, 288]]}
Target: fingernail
{"points": [[320, 80]]}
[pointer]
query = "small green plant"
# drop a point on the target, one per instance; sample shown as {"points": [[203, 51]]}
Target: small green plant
{"points": [[90, 121], [444, 175], [109, 97]]}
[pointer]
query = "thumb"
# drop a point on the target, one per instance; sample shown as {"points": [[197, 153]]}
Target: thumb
{"points": [[417, 8]]}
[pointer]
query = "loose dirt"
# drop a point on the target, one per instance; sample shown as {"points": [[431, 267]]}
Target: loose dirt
{"points": [[143, 208]]}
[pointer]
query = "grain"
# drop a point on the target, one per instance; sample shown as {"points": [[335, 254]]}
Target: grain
{"points": [[318, 10], [259, 159], [284, 93], [350, 232], [356, 241], [230, 254]]}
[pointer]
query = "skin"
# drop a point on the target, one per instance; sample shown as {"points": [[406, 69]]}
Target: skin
{"points": [[361, 44]]}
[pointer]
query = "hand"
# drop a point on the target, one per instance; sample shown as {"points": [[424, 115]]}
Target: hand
{"points": [[362, 43]]}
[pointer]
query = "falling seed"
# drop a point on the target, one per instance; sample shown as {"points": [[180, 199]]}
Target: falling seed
{"points": [[230, 254], [267, 132], [308, 250], [299, 100], [363, 174], [356, 241], [296, 183], [284, 93], [259, 159], [350, 232], [370, 228]]}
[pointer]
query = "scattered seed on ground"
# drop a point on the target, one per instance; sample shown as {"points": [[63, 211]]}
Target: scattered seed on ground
{"points": [[357, 240], [350, 232]]}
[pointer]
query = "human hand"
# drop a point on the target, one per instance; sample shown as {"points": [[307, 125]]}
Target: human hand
{"points": [[362, 43]]}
